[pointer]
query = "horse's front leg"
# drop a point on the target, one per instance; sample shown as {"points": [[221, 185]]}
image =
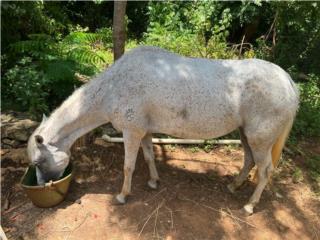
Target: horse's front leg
{"points": [[131, 146]]}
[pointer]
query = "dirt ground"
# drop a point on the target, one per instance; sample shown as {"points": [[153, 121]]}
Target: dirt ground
{"points": [[192, 201]]}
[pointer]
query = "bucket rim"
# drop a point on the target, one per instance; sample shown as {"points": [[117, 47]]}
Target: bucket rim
{"points": [[46, 185]]}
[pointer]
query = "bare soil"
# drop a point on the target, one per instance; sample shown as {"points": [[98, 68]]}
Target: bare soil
{"points": [[192, 201]]}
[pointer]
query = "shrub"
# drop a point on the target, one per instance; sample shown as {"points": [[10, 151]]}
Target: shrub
{"points": [[26, 84], [51, 70], [308, 119]]}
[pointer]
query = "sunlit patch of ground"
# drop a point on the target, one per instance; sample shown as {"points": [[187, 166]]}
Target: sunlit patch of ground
{"points": [[192, 201]]}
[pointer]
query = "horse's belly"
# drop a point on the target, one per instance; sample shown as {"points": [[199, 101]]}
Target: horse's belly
{"points": [[186, 124]]}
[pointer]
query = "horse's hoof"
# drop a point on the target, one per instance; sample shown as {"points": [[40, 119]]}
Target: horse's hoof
{"points": [[119, 200], [153, 184], [248, 209], [231, 188]]}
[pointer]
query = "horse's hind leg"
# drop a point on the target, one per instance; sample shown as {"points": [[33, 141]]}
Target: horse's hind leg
{"points": [[247, 166], [263, 160], [132, 142], [148, 153]]}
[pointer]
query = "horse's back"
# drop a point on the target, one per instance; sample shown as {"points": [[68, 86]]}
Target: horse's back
{"points": [[161, 75]]}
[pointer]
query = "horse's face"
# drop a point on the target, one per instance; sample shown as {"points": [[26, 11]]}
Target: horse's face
{"points": [[49, 161]]}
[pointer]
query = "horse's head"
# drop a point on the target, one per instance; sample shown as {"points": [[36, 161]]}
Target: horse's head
{"points": [[49, 160]]}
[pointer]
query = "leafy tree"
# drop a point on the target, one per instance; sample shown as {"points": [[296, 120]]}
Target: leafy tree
{"points": [[297, 33]]}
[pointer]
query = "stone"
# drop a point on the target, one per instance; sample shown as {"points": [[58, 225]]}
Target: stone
{"points": [[278, 195], [19, 130], [10, 142], [5, 146], [7, 141], [16, 128]]}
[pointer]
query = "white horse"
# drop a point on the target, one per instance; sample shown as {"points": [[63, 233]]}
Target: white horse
{"points": [[150, 90]]}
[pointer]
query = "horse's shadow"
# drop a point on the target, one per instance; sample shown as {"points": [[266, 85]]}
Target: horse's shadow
{"points": [[198, 202], [190, 190]]}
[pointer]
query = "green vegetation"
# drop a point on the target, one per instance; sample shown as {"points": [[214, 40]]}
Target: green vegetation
{"points": [[49, 69], [313, 165], [297, 175], [194, 149], [308, 118], [54, 47]]}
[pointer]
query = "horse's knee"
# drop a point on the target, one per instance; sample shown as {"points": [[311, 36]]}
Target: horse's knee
{"points": [[269, 170], [265, 171], [128, 171], [148, 158]]}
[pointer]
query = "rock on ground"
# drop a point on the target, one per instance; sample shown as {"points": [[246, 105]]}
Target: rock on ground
{"points": [[16, 128]]}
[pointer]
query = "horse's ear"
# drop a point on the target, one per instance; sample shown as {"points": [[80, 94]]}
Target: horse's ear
{"points": [[39, 139], [44, 118]]}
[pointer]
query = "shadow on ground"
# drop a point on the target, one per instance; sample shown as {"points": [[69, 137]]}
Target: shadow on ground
{"points": [[192, 201]]}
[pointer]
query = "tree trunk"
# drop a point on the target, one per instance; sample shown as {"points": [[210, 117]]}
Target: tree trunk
{"points": [[119, 28]]}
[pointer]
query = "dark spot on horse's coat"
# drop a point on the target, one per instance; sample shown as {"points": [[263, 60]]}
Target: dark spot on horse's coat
{"points": [[130, 114], [183, 113]]}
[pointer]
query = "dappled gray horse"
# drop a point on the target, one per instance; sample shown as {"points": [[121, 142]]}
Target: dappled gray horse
{"points": [[150, 90]]}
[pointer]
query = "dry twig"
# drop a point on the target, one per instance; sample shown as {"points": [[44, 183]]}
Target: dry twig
{"points": [[150, 215], [6, 204], [229, 211], [155, 232], [171, 215], [219, 211], [14, 207], [240, 51], [164, 189], [67, 229]]}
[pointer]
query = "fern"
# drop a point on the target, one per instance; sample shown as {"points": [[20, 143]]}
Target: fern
{"points": [[29, 46], [81, 37], [84, 55], [37, 42], [59, 63], [77, 46]]}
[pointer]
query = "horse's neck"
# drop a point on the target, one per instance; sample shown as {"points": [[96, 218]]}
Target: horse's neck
{"points": [[79, 114]]}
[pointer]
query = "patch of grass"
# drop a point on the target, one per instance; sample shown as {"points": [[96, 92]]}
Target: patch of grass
{"points": [[194, 149], [171, 147], [208, 147], [230, 147], [297, 175], [313, 165], [310, 170]]}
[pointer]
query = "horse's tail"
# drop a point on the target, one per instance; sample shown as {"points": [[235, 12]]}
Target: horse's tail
{"points": [[281, 140], [279, 143]]}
